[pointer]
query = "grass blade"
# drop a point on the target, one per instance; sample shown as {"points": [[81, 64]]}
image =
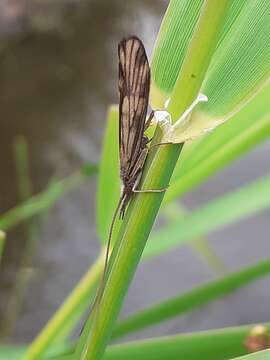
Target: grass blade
{"points": [[240, 65], [68, 314], [2, 243], [191, 300], [245, 130], [225, 210], [108, 183], [222, 344], [46, 199]]}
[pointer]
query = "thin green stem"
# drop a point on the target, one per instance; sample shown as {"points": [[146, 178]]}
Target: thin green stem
{"points": [[45, 199], [207, 345], [128, 249], [199, 245], [13, 306], [2, 243], [144, 208], [72, 304], [195, 298]]}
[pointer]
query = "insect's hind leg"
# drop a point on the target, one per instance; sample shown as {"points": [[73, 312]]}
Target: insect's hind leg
{"points": [[138, 168], [135, 190], [148, 190]]}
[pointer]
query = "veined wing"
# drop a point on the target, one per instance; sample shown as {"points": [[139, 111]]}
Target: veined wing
{"points": [[134, 84]]}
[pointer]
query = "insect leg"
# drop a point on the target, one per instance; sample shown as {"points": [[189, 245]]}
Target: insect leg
{"points": [[159, 144], [138, 168], [148, 121]]}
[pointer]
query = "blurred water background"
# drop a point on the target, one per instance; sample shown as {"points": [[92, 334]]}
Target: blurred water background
{"points": [[58, 74]]}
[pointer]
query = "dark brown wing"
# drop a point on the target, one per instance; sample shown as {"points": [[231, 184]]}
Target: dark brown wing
{"points": [[134, 83]]}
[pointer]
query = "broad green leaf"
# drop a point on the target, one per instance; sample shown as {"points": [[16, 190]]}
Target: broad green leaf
{"points": [[223, 211], [245, 130], [44, 200], [172, 42], [220, 344], [198, 56], [242, 62], [108, 185], [191, 300], [261, 355]]}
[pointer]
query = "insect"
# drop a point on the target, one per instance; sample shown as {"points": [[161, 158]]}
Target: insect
{"points": [[134, 86]]}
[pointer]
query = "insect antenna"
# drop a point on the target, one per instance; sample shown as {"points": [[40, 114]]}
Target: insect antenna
{"points": [[101, 287]]}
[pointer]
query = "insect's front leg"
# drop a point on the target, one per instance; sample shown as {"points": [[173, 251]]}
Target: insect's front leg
{"points": [[138, 168]]}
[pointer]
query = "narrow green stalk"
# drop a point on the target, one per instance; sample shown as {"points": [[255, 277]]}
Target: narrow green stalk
{"points": [[128, 249], [64, 314], [2, 243], [24, 182], [207, 254], [143, 209], [45, 199], [198, 297], [206, 345], [174, 212], [220, 158]]}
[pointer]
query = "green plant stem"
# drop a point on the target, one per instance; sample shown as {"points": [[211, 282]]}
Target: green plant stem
{"points": [[143, 209], [78, 296], [174, 212], [45, 199], [2, 243], [207, 345], [128, 249], [191, 299], [220, 157], [30, 229]]}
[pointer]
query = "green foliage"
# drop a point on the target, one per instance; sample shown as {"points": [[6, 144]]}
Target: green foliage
{"points": [[2, 242], [46, 199], [219, 344], [195, 298], [109, 185], [222, 211], [222, 49]]}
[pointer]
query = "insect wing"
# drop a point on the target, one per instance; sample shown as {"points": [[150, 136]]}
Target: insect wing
{"points": [[134, 84]]}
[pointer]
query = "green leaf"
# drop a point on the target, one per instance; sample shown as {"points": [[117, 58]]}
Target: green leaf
{"points": [[108, 183], [241, 64], [225, 210], [245, 130], [197, 58], [221, 344], [170, 49], [46, 199], [191, 300]]}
